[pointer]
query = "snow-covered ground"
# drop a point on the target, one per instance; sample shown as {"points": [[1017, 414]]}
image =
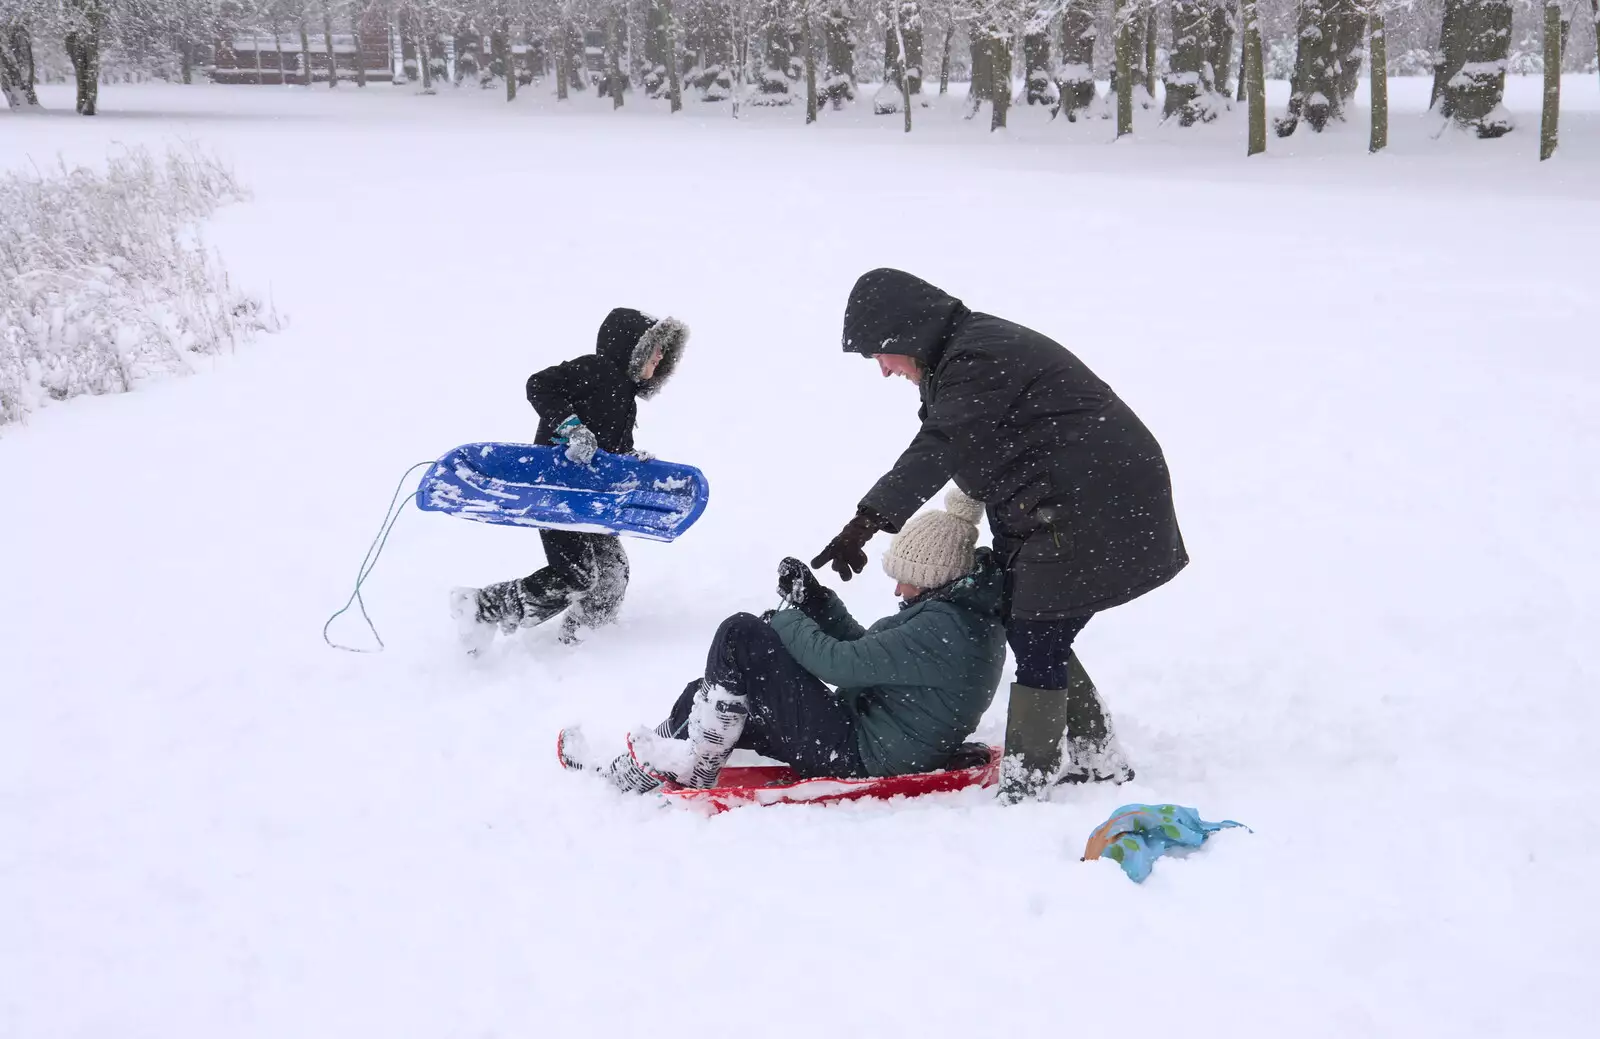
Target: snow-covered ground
{"points": [[1377, 384]]}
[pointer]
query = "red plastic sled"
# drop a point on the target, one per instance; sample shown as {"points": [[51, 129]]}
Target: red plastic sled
{"points": [[742, 786]]}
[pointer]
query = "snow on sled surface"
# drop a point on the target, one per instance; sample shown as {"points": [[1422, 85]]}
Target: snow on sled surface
{"points": [[530, 485], [742, 786]]}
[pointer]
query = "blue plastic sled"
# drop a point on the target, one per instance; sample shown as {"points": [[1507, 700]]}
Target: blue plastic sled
{"points": [[528, 485]]}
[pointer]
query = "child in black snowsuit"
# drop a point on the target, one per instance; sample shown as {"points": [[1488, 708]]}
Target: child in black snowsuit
{"points": [[590, 403]]}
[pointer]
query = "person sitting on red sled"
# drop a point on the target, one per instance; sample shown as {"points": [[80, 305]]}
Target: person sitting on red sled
{"points": [[905, 694]]}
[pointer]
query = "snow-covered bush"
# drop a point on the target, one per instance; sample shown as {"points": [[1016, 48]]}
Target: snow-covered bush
{"points": [[104, 278], [1414, 61]]}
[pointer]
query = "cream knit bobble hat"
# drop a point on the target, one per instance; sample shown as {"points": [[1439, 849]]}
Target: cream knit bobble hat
{"points": [[936, 547]]}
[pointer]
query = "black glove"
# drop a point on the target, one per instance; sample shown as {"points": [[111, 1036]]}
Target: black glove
{"points": [[767, 615], [846, 550], [796, 583]]}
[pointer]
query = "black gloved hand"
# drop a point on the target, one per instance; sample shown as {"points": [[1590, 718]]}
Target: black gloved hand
{"points": [[796, 583], [845, 551], [767, 615]]}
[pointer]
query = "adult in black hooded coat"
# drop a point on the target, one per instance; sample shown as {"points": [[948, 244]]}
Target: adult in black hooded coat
{"points": [[589, 403], [1077, 492]]}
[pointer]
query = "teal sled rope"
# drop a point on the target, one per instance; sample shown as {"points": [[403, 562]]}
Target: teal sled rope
{"points": [[374, 550]]}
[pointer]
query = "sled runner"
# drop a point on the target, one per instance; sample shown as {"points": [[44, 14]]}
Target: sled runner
{"points": [[740, 786], [528, 485]]}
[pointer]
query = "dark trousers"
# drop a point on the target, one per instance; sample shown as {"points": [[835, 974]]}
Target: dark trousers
{"points": [[1042, 649], [794, 716], [588, 572]]}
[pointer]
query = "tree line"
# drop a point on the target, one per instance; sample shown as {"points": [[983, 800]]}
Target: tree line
{"points": [[1208, 55]]}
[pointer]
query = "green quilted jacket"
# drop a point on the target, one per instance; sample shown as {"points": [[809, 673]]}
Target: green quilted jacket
{"points": [[918, 681]]}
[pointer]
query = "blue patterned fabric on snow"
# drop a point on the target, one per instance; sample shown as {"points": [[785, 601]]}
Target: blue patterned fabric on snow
{"points": [[1136, 835]]}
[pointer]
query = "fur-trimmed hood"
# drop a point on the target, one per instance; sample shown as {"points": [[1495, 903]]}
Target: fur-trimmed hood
{"points": [[627, 339]]}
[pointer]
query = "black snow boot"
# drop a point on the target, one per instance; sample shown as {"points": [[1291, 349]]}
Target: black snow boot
{"points": [[1093, 754], [1035, 722]]}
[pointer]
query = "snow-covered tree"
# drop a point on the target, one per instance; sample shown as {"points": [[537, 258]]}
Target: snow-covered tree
{"points": [[1132, 32], [903, 21], [19, 19], [1223, 30], [83, 22], [1327, 63], [1186, 81], [902, 52], [780, 63], [1038, 80], [839, 36], [1075, 73], [1475, 41]]}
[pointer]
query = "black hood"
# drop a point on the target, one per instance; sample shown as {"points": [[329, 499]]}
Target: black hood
{"points": [[892, 312], [627, 339]]}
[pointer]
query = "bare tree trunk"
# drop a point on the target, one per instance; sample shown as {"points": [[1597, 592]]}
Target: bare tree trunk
{"points": [[283, 62], [1244, 48], [904, 69], [674, 86], [327, 39], [425, 53], [1594, 23], [17, 73], [508, 52], [186, 60], [981, 87], [305, 49], [1150, 52], [1380, 81], [1255, 79], [615, 81], [655, 49], [911, 41], [397, 54], [563, 59], [87, 18], [1450, 50], [944, 60], [1076, 72], [577, 61], [1123, 16], [1551, 116], [998, 47], [358, 17], [1219, 46], [811, 62]]}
